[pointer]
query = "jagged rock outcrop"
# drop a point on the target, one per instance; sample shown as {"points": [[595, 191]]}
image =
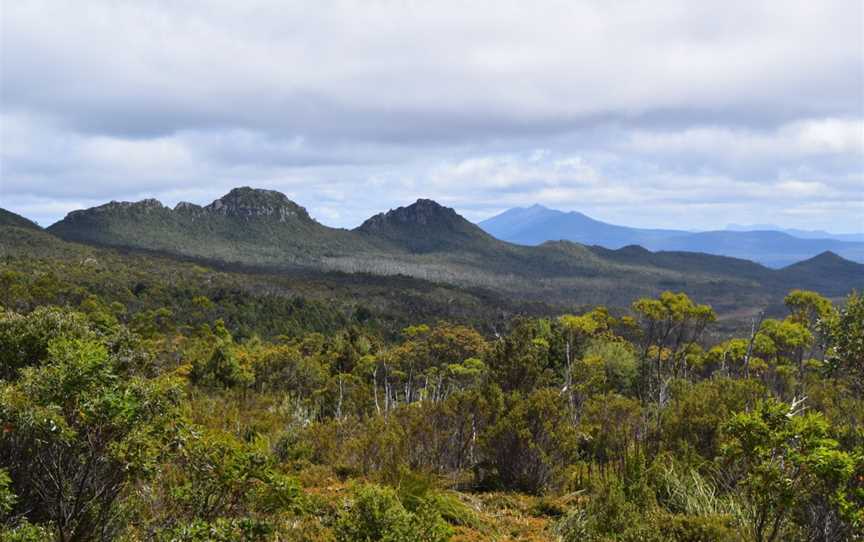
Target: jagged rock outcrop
{"points": [[250, 203], [144, 205], [425, 212], [245, 203]]}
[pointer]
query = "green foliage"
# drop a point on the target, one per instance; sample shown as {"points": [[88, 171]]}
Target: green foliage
{"points": [[376, 514], [216, 475], [531, 442], [682, 489], [24, 339], [7, 497], [417, 492], [618, 361], [671, 325], [222, 369], [846, 332], [693, 421], [521, 361], [610, 516], [24, 531], [787, 459], [685, 528], [78, 434], [610, 425], [219, 530], [808, 307], [169, 401]]}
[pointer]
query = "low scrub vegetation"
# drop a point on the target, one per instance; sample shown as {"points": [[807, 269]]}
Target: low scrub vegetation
{"points": [[157, 410]]}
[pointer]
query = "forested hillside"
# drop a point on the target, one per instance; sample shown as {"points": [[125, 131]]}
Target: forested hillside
{"points": [[11, 219], [143, 397]]}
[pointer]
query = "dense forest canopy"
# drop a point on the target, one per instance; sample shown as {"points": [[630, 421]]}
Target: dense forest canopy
{"points": [[143, 398]]}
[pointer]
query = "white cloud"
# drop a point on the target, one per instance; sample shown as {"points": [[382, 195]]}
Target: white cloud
{"points": [[809, 137], [643, 111]]}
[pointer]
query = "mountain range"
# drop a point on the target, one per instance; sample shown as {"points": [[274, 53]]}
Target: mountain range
{"points": [[264, 230], [537, 224]]}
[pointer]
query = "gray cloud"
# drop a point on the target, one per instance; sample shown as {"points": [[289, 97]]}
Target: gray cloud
{"points": [[645, 114]]}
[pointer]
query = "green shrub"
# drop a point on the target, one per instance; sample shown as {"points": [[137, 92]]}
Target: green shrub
{"points": [[683, 528], [25, 531], [218, 530], [102, 432], [377, 515], [532, 443]]}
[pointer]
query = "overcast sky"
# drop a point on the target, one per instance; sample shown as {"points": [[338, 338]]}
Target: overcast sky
{"points": [[675, 114]]}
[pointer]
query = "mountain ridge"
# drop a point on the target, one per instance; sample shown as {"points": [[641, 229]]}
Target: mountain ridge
{"points": [[432, 242], [797, 232]]}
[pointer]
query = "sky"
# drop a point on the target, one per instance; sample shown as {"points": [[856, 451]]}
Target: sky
{"points": [[681, 114]]}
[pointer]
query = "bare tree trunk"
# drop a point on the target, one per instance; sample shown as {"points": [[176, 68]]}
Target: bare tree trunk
{"points": [[339, 405], [375, 390], [755, 326]]}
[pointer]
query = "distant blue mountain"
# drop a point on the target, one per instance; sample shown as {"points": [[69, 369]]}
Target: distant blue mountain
{"points": [[537, 224], [801, 234]]}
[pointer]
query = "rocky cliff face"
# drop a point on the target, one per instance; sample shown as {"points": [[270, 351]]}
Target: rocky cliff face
{"points": [[249, 203], [115, 209], [244, 203]]}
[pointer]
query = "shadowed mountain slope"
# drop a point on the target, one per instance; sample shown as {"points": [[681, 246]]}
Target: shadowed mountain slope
{"points": [[811, 274], [8, 218], [426, 226]]}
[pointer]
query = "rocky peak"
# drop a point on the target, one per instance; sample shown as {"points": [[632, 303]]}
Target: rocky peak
{"points": [[423, 212], [144, 204], [124, 207], [150, 203], [425, 226], [249, 203]]}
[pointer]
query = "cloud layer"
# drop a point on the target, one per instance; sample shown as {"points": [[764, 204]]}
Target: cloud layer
{"points": [[651, 114]]}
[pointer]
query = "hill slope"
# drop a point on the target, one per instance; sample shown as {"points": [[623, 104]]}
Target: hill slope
{"points": [[537, 224], [8, 218]]}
